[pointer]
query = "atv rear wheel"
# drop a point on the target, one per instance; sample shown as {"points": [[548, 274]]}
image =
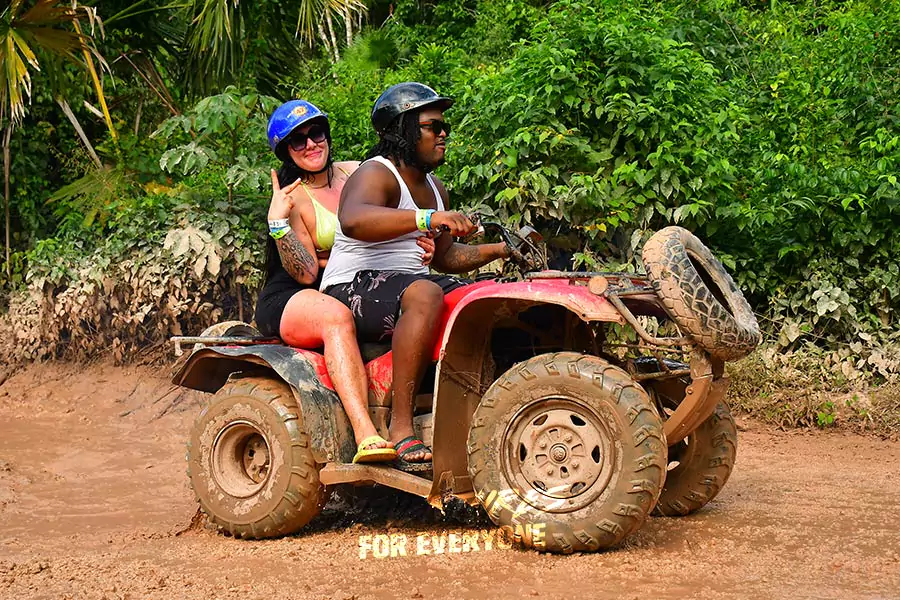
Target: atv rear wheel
{"points": [[249, 461], [567, 451], [699, 294]]}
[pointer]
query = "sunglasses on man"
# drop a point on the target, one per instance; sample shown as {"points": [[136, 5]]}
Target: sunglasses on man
{"points": [[297, 141], [436, 126]]}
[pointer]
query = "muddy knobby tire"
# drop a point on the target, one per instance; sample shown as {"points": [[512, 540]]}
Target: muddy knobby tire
{"points": [[705, 461], [699, 294], [567, 451], [250, 464]]}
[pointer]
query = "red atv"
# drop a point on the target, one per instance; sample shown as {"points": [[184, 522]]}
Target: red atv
{"points": [[570, 405]]}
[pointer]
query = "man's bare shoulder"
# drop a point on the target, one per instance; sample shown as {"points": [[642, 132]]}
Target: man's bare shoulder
{"points": [[347, 166], [372, 183]]}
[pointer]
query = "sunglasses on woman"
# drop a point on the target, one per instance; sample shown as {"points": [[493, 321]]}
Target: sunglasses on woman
{"points": [[436, 126], [297, 141]]}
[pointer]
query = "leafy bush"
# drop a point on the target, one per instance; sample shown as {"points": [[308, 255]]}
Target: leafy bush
{"points": [[175, 263], [175, 259], [768, 129]]}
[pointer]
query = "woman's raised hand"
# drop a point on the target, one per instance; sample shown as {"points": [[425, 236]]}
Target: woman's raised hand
{"points": [[282, 201], [426, 243]]}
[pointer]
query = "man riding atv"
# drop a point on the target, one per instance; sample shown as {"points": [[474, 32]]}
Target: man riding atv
{"points": [[386, 204], [569, 405]]}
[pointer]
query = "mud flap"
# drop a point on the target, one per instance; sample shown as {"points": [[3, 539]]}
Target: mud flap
{"points": [[324, 418]]}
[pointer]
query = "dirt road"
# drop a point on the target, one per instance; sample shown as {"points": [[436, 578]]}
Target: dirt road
{"points": [[94, 503]]}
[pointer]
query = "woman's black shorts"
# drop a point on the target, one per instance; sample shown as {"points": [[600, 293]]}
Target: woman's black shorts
{"points": [[374, 299]]}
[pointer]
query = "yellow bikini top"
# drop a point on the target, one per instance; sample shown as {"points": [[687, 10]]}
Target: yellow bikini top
{"points": [[326, 221], [326, 225]]}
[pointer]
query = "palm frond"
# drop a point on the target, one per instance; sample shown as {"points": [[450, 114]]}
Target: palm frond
{"points": [[215, 43], [24, 37], [312, 12], [46, 13], [16, 80], [93, 195]]}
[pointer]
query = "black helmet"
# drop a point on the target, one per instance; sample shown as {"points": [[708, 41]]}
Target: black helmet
{"points": [[404, 97]]}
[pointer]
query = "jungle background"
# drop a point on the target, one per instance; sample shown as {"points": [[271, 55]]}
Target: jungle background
{"points": [[136, 166]]}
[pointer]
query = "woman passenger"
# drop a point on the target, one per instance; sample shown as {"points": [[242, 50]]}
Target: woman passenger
{"points": [[302, 221]]}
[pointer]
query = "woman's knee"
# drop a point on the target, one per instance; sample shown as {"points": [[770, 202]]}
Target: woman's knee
{"points": [[336, 315]]}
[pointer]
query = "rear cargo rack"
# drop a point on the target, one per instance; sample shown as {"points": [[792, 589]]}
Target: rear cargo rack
{"points": [[181, 340]]}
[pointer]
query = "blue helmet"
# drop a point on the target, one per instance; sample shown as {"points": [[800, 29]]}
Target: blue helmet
{"points": [[288, 117]]}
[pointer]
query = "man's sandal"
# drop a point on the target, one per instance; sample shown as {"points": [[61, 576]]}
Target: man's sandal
{"points": [[372, 455], [410, 445]]}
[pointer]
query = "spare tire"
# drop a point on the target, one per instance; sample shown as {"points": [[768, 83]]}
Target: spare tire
{"points": [[231, 329], [699, 294]]}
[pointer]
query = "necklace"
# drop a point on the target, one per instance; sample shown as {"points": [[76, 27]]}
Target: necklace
{"points": [[316, 187]]}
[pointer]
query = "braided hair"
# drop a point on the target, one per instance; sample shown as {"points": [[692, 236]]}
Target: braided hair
{"points": [[399, 140]]}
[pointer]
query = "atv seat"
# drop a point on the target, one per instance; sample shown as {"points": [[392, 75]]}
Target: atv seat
{"points": [[371, 351]]}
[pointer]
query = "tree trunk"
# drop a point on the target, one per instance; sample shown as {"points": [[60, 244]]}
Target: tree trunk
{"points": [[6, 139], [137, 118], [325, 41], [334, 44], [74, 121], [240, 300], [348, 23]]}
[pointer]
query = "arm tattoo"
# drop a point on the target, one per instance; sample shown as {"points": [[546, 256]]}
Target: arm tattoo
{"points": [[296, 258], [461, 258]]}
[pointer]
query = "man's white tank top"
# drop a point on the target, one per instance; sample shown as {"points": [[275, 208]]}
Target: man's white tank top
{"points": [[350, 256]]}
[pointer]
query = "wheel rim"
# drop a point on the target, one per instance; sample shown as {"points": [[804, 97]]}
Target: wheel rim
{"points": [[241, 458], [560, 455]]}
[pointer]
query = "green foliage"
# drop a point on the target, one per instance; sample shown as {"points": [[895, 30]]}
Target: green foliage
{"points": [[94, 195], [598, 126], [826, 414], [174, 262], [768, 129], [225, 131]]}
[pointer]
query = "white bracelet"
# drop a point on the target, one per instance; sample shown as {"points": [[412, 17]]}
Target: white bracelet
{"points": [[278, 223]]}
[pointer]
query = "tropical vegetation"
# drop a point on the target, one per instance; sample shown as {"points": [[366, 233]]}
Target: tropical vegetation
{"points": [[137, 161]]}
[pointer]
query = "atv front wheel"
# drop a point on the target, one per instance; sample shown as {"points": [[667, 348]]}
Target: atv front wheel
{"points": [[567, 451], [249, 461], [700, 464]]}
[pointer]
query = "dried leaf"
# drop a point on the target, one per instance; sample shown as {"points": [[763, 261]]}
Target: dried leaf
{"points": [[213, 263], [182, 245], [200, 266]]}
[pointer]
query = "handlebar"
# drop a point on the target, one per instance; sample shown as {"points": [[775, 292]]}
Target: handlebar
{"points": [[526, 249]]}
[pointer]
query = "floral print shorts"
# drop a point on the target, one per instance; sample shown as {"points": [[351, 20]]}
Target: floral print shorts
{"points": [[374, 299]]}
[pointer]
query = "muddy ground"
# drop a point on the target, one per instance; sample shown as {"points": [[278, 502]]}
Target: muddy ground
{"points": [[94, 503]]}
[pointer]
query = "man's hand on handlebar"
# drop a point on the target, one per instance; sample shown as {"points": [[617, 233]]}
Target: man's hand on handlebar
{"points": [[455, 223]]}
